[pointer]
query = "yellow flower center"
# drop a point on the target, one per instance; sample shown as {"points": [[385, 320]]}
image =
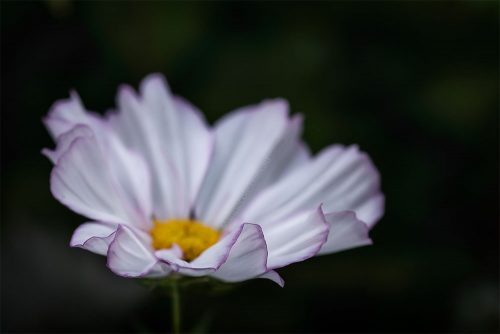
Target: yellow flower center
{"points": [[192, 236]]}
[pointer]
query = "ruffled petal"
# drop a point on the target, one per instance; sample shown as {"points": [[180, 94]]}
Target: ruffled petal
{"points": [[238, 256], [65, 140], [173, 138], [130, 255], [301, 157], [198, 145], [340, 178], [296, 238], [288, 154], [106, 185], [371, 210], [274, 276], [247, 258], [346, 232], [170, 134], [208, 261], [253, 146], [94, 237], [67, 113]]}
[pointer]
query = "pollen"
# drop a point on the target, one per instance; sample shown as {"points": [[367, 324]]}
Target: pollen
{"points": [[192, 236]]}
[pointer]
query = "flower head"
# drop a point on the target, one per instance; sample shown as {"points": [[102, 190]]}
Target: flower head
{"points": [[166, 193]]}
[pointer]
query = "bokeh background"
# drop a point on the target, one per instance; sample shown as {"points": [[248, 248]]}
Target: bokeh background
{"points": [[414, 83]]}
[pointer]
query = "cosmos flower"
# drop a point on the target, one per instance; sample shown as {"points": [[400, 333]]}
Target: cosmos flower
{"points": [[166, 193]]}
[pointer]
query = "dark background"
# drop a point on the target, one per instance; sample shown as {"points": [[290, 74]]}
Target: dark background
{"points": [[415, 84]]}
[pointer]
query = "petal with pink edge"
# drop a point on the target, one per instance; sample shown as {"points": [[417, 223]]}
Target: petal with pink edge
{"points": [[208, 261], [65, 140], [295, 239], [253, 146], [340, 178], [109, 186], [346, 232], [247, 258], [130, 255], [239, 255], [273, 276], [173, 138], [94, 237], [66, 114]]}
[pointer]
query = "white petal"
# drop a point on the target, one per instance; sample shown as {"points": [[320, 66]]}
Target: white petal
{"points": [[252, 146], [131, 176], [173, 138], [302, 156], [288, 154], [346, 231], [358, 191], [107, 186], [94, 237], [340, 178], [173, 258], [296, 238], [64, 141], [130, 255], [67, 113], [177, 264], [273, 276], [198, 145], [208, 261], [247, 258], [238, 256], [371, 210]]}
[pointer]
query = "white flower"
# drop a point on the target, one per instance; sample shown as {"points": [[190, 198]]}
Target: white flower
{"points": [[166, 193]]}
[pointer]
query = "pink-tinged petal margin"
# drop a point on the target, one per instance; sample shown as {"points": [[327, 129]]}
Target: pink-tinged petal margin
{"points": [[94, 237], [65, 140], [208, 261], [296, 238], [102, 181], [238, 256], [342, 178], [244, 141], [78, 182], [67, 113], [346, 232], [130, 255], [247, 258], [173, 138], [274, 276]]}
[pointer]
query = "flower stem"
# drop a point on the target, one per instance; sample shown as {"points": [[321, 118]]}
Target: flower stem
{"points": [[176, 308]]}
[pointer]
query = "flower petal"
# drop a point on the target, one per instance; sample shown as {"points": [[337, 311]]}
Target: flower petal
{"points": [[198, 143], [111, 186], [296, 238], [371, 210], [287, 154], [94, 237], [64, 141], [130, 255], [173, 138], [67, 113], [346, 231], [240, 255], [208, 261], [252, 146], [247, 258], [274, 276], [340, 178]]}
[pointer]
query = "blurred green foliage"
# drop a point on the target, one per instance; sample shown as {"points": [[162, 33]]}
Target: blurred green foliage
{"points": [[415, 84]]}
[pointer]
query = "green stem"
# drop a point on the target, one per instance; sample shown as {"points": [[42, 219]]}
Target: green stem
{"points": [[176, 308]]}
